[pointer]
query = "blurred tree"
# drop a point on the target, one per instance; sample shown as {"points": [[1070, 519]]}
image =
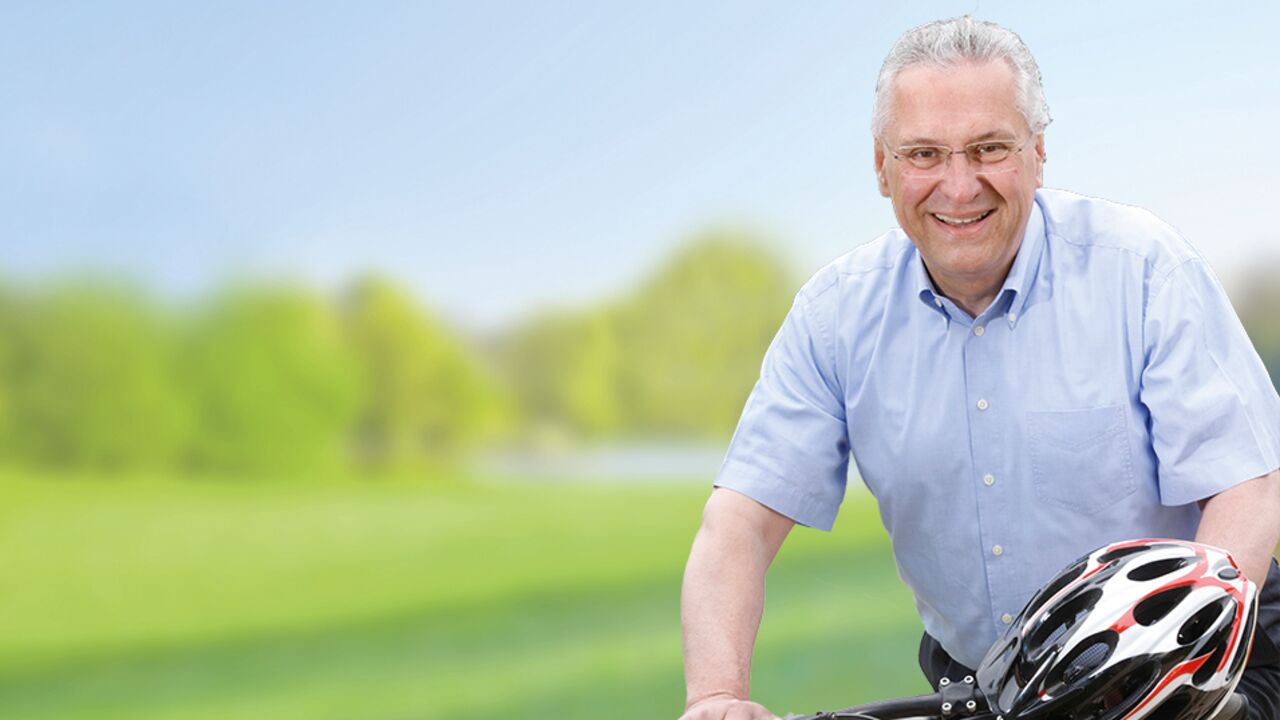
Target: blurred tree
{"points": [[17, 323], [10, 317], [90, 378], [270, 379], [676, 358], [565, 371], [693, 336], [1260, 314], [426, 397], [275, 386]]}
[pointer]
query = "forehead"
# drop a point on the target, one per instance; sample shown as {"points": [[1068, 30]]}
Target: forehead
{"points": [[954, 105]]}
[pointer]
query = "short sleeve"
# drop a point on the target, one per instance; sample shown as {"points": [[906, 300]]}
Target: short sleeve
{"points": [[1215, 416], [790, 451]]}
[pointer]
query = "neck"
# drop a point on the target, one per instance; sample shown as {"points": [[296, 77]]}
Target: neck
{"points": [[973, 295]]}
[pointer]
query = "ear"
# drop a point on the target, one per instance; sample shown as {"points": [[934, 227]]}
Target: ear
{"points": [[880, 171], [1040, 157]]}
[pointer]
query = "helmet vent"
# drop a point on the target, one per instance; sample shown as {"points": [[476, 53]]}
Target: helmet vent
{"points": [[1118, 695], [1159, 568], [1063, 618], [1118, 553], [1205, 671], [1172, 708], [1216, 644], [1081, 661], [1197, 625], [1086, 662], [1058, 632], [1245, 641], [1151, 610], [1064, 578]]}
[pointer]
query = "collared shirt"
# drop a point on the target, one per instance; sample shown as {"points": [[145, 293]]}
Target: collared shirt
{"points": [[1107, 388]]}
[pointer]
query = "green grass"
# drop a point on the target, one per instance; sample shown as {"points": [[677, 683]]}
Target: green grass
{"points": [[165, 599]]}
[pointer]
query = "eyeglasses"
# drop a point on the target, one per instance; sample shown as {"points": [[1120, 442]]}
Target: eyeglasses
{"points": [[987, 157]]}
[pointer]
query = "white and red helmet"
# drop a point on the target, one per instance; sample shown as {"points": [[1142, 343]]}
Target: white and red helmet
{"points": [[1137, 629]]}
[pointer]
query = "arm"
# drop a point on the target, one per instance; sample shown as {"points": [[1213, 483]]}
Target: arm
{"points": [[1214, 413], [1245, 521], [722, 601]]}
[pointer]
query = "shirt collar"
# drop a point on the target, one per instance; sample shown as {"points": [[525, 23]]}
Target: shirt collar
{"points": [[1017, 284], [924, 286], [1025, 266]]}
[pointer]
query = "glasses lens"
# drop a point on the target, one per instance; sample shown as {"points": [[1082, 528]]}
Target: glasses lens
{"points": [[925, 158], [984, 158], [989, 153]]}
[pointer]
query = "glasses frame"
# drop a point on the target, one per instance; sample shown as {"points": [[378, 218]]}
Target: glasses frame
{"points": [[978, 168]]}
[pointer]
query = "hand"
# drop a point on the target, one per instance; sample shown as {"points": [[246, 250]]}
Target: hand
{"points": [[721, 707]]}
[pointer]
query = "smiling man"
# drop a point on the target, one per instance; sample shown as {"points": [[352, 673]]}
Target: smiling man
{"points": [[1022, 375], [966, 223]]}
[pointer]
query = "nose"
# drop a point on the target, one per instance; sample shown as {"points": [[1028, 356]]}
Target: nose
{"points": [[959, 182]]}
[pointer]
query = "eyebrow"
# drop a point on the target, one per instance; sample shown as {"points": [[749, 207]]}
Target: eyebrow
{"points": [[930, 142]]}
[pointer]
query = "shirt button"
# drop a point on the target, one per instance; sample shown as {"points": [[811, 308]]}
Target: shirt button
{"points": [[978, 330], [983, 404], [989, 479], [1013, 317], [937, 301], [1006, 618], [997, 550]]}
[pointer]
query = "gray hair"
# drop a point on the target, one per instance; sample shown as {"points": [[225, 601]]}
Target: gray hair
{"points": [[945, 43]]}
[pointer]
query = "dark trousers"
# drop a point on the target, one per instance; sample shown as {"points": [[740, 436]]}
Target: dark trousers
{"points": [[1260, 683]]}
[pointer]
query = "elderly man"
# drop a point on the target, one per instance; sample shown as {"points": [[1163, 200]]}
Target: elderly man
{"points": [[1022, 375]]}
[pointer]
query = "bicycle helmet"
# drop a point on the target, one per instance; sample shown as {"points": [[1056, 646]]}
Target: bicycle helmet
{"points": [[1156, 629]]}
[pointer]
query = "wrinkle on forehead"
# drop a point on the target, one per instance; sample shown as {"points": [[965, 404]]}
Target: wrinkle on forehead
{"points": [[955, 105]]}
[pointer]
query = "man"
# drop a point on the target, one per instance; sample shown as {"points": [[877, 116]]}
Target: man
{"points": [[1022, 375]]}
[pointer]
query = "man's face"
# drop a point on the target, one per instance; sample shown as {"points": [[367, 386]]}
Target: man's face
{"points": [[954, 107]]}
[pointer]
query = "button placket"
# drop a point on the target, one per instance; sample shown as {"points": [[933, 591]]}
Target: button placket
{"points": [[983, 348]]}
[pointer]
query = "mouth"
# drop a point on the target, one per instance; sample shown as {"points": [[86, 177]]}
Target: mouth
{"points": [[962, 222]]}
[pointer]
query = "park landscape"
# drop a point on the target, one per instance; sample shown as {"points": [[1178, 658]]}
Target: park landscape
{"points": [[273, 505], [310, 315]]}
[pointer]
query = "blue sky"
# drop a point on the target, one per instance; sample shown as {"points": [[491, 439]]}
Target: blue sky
{"points": [[501, 157]]}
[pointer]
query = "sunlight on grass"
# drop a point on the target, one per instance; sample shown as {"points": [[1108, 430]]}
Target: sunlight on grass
{"points": [[161, 599]]}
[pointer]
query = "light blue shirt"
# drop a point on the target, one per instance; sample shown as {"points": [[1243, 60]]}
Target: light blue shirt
{"points": [[1107, 388]]}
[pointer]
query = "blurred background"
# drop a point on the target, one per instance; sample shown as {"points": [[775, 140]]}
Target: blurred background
{"points": [[374, 361]]}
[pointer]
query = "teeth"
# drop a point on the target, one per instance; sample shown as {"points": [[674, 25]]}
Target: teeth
{"points": [[960, 221]]}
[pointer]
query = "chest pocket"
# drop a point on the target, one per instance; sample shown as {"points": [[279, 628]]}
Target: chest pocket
{"points": [[1080, 459]]}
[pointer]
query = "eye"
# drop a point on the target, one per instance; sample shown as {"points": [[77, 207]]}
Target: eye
{"points": [[990, 151], [923, 154]]}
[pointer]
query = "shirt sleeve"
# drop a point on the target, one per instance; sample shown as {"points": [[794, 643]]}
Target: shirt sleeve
{"points": [[790, 451], [1215, 416]]}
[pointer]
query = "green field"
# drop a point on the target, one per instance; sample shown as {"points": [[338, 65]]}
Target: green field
{"points": [[179, 599]]}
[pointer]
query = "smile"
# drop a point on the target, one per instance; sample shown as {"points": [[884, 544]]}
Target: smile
{"points": [[962, 221]]}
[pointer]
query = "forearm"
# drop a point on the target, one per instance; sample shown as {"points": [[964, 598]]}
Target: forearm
{"points": [[723, 594], [721, 604], [1245, 521]]}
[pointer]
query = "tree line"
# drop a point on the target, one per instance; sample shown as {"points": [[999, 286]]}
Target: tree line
{"points": [[276, 378]]}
